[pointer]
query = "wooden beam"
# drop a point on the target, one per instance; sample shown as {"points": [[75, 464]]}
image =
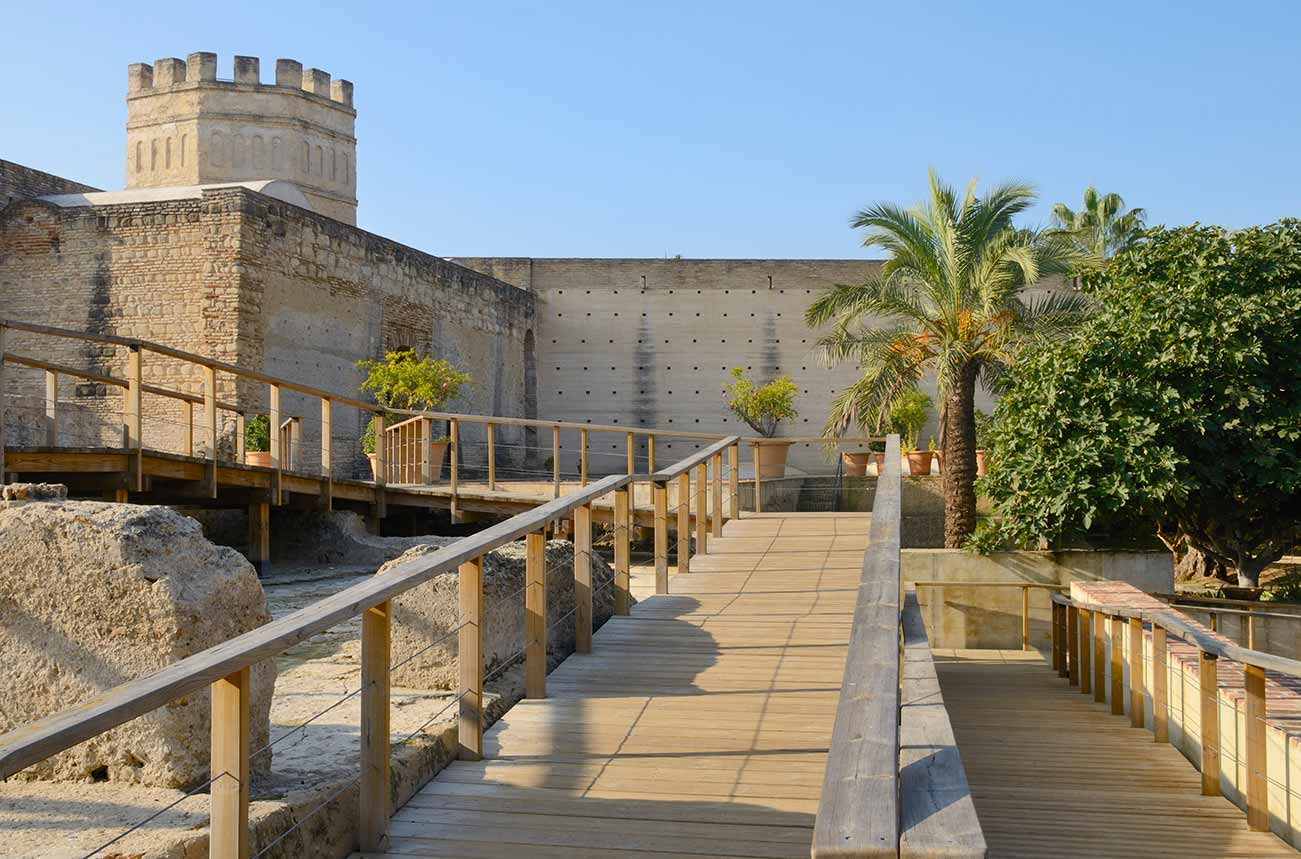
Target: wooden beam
{"points": [[661, 492], [1025, 618], [702, 508], [1056, 638], [583, 579], [327, 454], [1117, 666], [373, 812], [210, 426], [278, 454], [1086, 651], [1099, 657], [758, 497], [1160, 680], [555, 462], [622, 553], [733, 479], [684, 523], [1137, 682], [454, 454], [469, 660], [51, 408], [259, 535], [1073, 644], [535, 616], [228, 794], [134, 419], [1257, 781], [650, 453], [582, 456], [716, 515], [492, 458], [241, 426], [1210, 714]]}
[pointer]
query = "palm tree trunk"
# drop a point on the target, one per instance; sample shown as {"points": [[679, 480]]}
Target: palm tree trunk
{"points": [[958, 470]]}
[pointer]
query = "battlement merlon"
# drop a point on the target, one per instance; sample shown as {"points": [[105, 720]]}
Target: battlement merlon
{"points": [[201, 68]]}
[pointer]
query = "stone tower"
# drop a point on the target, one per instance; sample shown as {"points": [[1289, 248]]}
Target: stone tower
{"points": [[185, 126]]}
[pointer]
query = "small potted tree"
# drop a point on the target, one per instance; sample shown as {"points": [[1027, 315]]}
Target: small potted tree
{"points": [[404, 380], [908, 415], [762, 407], [984, 423], [257, 441]]}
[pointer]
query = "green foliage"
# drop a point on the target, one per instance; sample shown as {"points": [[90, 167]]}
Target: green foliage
{"points": [[908, 415], [404, 381], [1180, 402], [1284, 589], [257, 434], [761, 406], [1101, 228], [984, 426]]}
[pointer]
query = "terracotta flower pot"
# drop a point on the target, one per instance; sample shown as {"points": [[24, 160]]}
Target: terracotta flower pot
{"points": [[855, 462], [919, 462], [772, 459], [980, 463], [374, 473], [260, 458], [878, 457]]}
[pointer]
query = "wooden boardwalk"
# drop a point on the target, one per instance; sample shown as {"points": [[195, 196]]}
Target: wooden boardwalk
{"points": [[1054, 774], [697, 727]]}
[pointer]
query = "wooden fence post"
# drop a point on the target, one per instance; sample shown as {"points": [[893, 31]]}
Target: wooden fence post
{"points": [[1073, 644], [278, 455], [583, 579], [733, 479], [555, 462], [327, 453], [622, 596], [1117, 666], [702, 508], [426, 434], [454, 455], [210, 426], [582, 457], [1210, 713], [188, 445], [684, 522], [374, 793], [1137, 682], [1099, 657], [241, 426], [535, 616], [1058, 659], [661, 492], [135, 418], [1086, 651], [51, 408], [1257, 787], [716, 517], [758, 498], [650, 453], [1025, 617], [228, 793], [381, 469], [469, 659], [492, 458], [1160, 679]]}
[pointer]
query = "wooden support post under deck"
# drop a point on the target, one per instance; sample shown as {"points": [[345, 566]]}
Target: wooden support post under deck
{"points": [[259, 535], [661, 493], [583, 579], [469, 661], [684, 523], [1210, 714], [702, 508], [716, 515], [1137, 682], [1099, 657], [454, 454], [733, 480], [1086, 651], [1117, 666], [1073, 644], [582, 457], [1257, 783], [492, 458], [1025, 618], [622, 596], [327, 453], [228, 794], [278, 455], [210, 426], [555, 462], [758, 498], [535, 615], [373, 813], [134, 418], [1160, 678], [51, 408]]}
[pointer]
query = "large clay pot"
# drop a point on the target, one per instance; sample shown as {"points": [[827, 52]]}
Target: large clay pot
{"points": [[878, 457], [374, 467], [980, 463], [260, 458], [772, 459], [919, 462], [855, 462], [438, 453]]}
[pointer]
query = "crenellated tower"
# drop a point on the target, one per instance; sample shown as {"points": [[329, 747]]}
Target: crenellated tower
{"points": [[186, 126]]}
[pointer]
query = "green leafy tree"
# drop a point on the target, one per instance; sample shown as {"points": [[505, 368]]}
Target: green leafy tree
{"points": [[908, 414], [761, 406], [257, 434], [951, 300], [404, 380], [1101, 227], [1179, 403]]}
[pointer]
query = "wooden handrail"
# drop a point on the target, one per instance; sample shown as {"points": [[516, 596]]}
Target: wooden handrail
{"points": [[695, 459], [62, 369], [35, 742]]}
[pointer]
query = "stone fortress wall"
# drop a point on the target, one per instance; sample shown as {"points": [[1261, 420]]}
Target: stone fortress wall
{"points": [[187, 127], [18, 182]]}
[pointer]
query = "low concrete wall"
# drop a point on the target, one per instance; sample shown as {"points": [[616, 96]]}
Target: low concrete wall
{"points": [[990, 617]]}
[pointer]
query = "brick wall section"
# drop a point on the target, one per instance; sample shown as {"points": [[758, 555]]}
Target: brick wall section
{"points": [[19, 183]]}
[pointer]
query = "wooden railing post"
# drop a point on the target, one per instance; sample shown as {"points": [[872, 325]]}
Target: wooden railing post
{"points": [[1099, 657], [427, 464], [716, 517], [277, 455], [535, 616], [1025, 617], [1210, 713], [1117, 666], [582, 457], [1073, 644], [469, 659], [622, 553], [188, 444], [702, 508], [453, 471], [1137, 682], [632, 487], [381, 468], [555, 462], [327, 453], [684, 522], [660, 490], [51, 408], [492, 458], [241, 425], [374, 793], [758, 497], [733, 479], [134, 418], [1057, 638], [1251, 631], [583, 579], [1257, 787], [228, 793], [1160, 679], [1086, 651], [210, 426], [650, 453]]}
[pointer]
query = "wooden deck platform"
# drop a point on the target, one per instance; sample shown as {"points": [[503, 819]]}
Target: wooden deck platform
{"points": [[697, 727], [1054, 774]]}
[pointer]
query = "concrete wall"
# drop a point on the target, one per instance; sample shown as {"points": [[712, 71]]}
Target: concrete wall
{"points": [[990, 617], [18, 183]]}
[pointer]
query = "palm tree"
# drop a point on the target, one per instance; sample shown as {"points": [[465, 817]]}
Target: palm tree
{"points": [[949, 300], [1101, 228]]}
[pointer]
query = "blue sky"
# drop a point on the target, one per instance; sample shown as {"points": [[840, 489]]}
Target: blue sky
{"points": [[713, 129]]}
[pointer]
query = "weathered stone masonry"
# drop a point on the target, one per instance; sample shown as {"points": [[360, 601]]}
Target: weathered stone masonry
{"points": [[18, 182]]}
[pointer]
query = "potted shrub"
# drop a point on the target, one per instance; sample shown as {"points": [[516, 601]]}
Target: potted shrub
{"points": [[404, 380], [855, 462], [878, 455], [984, 422], [257, 441], [908, 415], [762, 407]]}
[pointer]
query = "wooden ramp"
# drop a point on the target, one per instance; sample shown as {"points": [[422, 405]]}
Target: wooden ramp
{"points": [[1054, 774], [697, 727]]}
